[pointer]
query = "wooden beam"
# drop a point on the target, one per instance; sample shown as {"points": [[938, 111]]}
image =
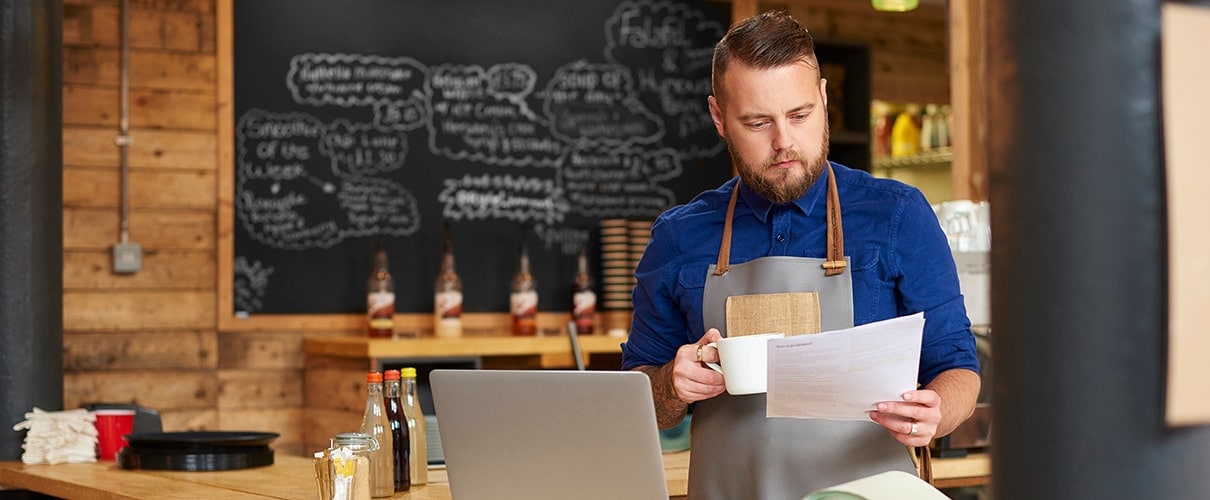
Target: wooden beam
{"points": [[225, 57], [969, 120]]}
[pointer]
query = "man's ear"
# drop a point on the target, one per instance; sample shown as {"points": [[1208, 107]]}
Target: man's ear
{"points": [[716, 115], [823, 90]]}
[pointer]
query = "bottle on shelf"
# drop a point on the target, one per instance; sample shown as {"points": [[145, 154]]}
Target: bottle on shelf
{"points": [[400, 440], [417, 433], [943, 126], [523, 301], [583, 298], [380, 296], [905, 134], [928, 129], [447, 295], [882, 116], [375, 424]]}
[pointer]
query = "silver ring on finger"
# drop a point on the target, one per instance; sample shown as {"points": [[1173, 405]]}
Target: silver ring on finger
{"points": [[913, 431]]}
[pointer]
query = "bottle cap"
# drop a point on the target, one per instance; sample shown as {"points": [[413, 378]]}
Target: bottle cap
{"points": [[408, 372], [373, 377], [390, 375]]}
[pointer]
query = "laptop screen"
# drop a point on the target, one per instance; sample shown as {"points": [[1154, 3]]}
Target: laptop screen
{"points": [[537, 434]]}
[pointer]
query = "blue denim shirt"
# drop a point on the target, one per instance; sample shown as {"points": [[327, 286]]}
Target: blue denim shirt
{"points": [[900, 261]]}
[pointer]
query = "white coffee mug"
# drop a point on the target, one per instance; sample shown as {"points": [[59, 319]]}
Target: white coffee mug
{"points": [[744, 362]]}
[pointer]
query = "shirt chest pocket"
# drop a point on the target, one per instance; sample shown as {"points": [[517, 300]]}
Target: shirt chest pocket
{"points": [[690, 285], [870, 291], [693, 276]]}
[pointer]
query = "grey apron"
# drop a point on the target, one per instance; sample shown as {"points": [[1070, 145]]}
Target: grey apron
{"points": [[738, 453]]}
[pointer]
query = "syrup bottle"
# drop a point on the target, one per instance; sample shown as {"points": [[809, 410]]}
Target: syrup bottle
{"points": [[374, 423], [583, 298], [380, 296], [417, 431], [523, 302], [447, 295], [401, 449]]}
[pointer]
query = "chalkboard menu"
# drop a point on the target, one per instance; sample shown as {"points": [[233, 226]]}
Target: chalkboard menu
{"points": [[519, 122]]}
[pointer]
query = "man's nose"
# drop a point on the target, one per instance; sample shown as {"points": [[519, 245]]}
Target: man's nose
{"points": [[781, 138]]}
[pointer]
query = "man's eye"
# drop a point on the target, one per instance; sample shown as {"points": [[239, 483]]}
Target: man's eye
{"points": [[798, 117], [758, 125]]}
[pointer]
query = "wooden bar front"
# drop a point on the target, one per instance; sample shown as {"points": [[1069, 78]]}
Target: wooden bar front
{"points": [[335, 368]]}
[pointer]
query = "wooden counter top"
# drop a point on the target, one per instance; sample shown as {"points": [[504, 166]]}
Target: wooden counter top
{"points": [[292, 477]]}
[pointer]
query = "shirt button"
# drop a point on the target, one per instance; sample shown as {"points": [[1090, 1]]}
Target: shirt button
{"points": [[781, 237]]}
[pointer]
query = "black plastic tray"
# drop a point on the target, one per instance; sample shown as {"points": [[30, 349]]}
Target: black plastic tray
{"points": [[197, 451], [201, 438]]}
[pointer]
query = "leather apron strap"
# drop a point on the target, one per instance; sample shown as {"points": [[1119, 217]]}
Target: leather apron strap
{"points": [[835, 262]]}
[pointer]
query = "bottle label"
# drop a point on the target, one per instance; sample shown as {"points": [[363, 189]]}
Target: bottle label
{"points": [[380, 308], [448, 304], [524, 304], [584, 302], [584, 307], [380, 304], [524, 307]]}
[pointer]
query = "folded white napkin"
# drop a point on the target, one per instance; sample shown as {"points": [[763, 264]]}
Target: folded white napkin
{"points": [[57, 437]]}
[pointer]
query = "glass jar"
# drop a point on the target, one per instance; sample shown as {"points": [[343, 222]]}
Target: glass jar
{"points": [[350, 454], [360, 443]]}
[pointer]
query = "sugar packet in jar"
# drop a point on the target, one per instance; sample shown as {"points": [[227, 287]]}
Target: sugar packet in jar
{"points": [[342, 474]]}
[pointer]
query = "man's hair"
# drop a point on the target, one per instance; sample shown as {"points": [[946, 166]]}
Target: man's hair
{"points": [[767, 40]]}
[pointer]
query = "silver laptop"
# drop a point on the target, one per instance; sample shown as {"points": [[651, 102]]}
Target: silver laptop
{"points": [[535, 434]]}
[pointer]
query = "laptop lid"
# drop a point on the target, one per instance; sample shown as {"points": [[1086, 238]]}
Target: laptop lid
{"points": [[536, 434]]}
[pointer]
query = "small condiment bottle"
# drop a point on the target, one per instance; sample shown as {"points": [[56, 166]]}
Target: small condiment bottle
{"points": [[380, 297], [447, 294], [905, 134], [400, 440], [583, 298], [375, 424], [523, 301], [417, 429]]}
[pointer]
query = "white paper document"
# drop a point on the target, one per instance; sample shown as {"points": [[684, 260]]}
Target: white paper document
{"points": [[842, 374]]}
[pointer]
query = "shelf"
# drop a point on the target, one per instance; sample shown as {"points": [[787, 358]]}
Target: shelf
{"points": [[938, 158], [360, 347]]}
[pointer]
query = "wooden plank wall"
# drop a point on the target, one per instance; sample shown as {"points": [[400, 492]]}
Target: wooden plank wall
{"points": [[152, 337], [907, 49]]}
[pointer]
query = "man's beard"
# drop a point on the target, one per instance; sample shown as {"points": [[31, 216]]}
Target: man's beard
{"points": [[781, 190]]}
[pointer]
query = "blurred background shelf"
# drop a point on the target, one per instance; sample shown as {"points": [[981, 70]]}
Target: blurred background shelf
{"points": [[937, 158]]}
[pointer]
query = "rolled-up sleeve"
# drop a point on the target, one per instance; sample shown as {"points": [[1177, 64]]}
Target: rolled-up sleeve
{"points": [[928, 282], [653, 340]]}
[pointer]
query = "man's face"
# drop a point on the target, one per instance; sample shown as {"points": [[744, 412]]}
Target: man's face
{"points": [[775, 124]]}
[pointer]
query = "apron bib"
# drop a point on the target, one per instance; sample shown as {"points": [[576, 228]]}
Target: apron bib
{"points": [[739, 453]]}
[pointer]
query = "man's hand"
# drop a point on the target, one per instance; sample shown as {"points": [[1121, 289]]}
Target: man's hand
{"points": [[936, 410], [913, 421], [684, 380], [691, 380]]}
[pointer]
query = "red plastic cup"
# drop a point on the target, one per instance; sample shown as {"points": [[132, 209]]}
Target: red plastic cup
{"points": [[112, 428]]}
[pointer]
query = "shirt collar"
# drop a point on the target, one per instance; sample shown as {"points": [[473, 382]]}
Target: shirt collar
{"points": [[761, 207]]}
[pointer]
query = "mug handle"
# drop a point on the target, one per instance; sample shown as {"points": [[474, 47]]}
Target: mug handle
{"points": [[713, 366]]}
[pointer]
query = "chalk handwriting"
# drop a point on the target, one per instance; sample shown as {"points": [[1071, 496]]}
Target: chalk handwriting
{"points": [[596, 139], [251, 280]]}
